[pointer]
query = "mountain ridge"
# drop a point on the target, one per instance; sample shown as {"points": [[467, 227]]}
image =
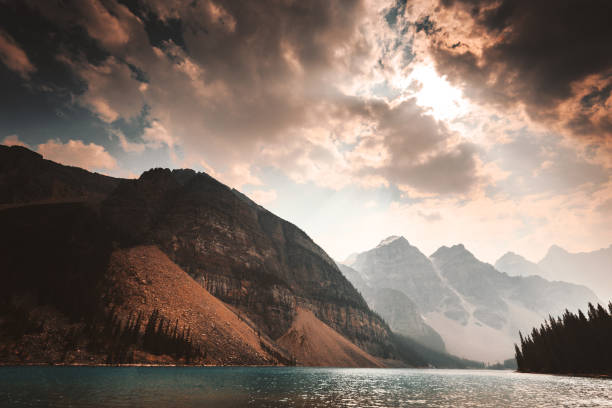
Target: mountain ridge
{"points": [[589, 268], [483, 307], [264, 268]]}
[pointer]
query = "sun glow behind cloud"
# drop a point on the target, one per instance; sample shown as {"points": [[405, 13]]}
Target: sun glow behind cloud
{"points": [[437, 95]]}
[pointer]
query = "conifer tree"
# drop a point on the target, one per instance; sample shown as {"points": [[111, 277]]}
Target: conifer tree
{"points": [[572, 343]]}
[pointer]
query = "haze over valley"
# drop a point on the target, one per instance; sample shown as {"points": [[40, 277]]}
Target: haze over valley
{"points": [[477, 310]]}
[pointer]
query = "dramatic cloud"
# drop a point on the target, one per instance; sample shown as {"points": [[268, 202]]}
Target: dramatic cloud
{"points": [[126, 145], [553, 58], [14, 57], [265, 83], [424, 155], [461, 118], [76, 153], [112, 91], [104, 21]]}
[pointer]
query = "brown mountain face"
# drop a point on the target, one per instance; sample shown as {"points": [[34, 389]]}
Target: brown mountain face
{"points": [[242, 253], [162, 244], [313, 343], [142, 278], [62, 280]]}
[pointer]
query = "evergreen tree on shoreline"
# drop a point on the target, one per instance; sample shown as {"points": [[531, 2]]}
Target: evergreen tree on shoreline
{"points": [[570, 344]]}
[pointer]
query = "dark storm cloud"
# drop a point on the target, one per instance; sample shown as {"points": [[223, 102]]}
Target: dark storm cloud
{"points": [[223, 81], [553, 56]]}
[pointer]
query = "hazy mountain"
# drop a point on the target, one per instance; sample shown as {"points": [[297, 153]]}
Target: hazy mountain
{"points": [[350, 259], [401, 313], [396, 264], [593, 269], [489, 306], [356, 279], [476, 282], [515, 265]]}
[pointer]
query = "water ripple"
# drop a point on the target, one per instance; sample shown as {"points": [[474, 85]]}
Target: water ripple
{"points": [[292, 387]]}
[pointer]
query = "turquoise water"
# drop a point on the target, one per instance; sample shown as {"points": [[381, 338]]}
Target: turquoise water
{"points": [[298, 387]]}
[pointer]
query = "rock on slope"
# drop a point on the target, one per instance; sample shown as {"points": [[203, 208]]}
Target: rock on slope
{"points": [[143, 278], [313, 343]]}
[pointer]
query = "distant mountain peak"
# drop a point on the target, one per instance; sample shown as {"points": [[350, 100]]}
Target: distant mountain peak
{"points": [[511, 256], [556, 250], [444, 251], [155, 173], [516, 265], [391, 239]]}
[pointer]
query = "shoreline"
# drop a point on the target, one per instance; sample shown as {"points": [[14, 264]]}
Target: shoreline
{"points": [[132, 365], [2, 365], [600, 376]]}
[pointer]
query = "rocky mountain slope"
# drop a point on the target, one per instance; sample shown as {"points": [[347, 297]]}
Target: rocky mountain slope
{"points": [[241, 253], [176, 244], [313, 343], [476, 309], [143, 279], [401, 313], [61, 277], [386, 265], [592, 269]]}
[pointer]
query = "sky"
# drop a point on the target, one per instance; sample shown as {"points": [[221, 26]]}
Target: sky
{"points": [[487, 123]]}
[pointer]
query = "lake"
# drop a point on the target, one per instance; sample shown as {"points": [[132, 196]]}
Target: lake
{"points": [[290, 386]]}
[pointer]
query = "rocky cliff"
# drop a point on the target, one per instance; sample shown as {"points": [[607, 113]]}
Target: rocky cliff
{"points": [[241, 253], [60, 251], [396, 264]]}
